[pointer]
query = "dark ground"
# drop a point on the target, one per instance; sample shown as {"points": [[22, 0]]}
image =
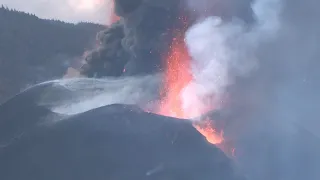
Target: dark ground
{"points": [[123, 142], [112, 142]]}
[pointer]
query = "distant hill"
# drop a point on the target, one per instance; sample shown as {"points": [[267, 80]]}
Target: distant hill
{"points": [[34, 49]]}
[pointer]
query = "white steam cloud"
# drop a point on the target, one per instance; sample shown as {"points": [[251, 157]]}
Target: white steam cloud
{"points": [[278, 57], [73, 96], [223, 51]]}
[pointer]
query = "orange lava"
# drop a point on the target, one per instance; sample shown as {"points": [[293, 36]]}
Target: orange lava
{"points": [[177, 76], [211, 134]]}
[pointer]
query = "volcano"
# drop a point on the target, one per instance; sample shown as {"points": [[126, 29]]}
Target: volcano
{"points": [[123, 142], [111, 142]]}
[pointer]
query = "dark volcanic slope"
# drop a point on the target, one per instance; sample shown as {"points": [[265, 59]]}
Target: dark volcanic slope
{"points": [[35, 50], [22, 111], [113, 142]]}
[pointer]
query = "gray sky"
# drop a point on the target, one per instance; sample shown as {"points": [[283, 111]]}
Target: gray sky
{"points": [[67, 10]]}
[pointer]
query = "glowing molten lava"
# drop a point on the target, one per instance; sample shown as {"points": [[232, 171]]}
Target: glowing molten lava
{"points": [[211, 134], [177, 77]]}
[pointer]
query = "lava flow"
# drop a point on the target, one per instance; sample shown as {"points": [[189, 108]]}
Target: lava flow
{"points": [[178, 76]]}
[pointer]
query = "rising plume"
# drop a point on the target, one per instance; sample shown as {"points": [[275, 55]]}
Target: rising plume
{"points": [[145, 30]]}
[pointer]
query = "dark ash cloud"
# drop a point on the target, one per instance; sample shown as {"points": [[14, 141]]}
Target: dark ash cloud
{"points": [[145, 31]]}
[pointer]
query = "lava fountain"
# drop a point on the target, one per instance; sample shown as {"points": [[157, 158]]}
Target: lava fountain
{"points": [[178, 76]]}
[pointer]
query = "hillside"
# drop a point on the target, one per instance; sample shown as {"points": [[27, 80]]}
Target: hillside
{"points": [[34, 49]]}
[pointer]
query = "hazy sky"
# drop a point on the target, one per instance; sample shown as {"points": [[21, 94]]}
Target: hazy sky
{"points": [[67, 10]]}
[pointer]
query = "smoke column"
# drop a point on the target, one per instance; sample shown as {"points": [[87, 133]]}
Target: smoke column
{"points": [[223, 51]]}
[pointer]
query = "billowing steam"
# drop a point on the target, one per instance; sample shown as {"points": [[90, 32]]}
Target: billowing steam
{"points": [[222, 51], [83, 94]]}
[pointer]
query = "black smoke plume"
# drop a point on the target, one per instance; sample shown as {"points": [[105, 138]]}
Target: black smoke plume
{"points": [[109, 58], [139, 41]]}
